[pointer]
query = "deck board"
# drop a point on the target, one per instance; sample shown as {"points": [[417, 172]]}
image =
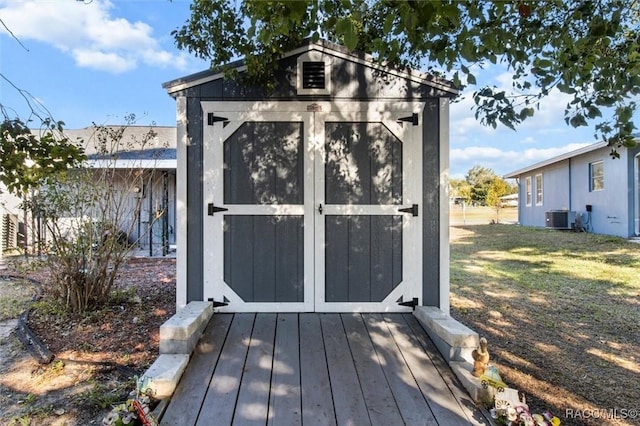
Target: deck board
{"points": [[219, 405], [412, 404], [284, 404], [445, 408], [317, 401], [381, 405], [348, 399], [469, 408], [252, 407], [185, 404], [318, 369]]}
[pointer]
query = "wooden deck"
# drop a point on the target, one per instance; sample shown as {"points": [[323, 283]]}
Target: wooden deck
{"points": [[318, 369]]}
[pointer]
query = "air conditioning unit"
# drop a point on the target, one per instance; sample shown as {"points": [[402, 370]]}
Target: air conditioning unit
{"points": [[560, 219]]}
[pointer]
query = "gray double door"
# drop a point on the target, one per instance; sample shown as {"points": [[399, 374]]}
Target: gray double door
{"points": [[311, 206]]}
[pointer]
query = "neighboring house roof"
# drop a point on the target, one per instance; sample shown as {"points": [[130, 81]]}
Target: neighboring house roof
{"points": [[132, 137], [138, 154], [561, 157], [556, 159], [158, 152], [151, 158], [509, 197], [321, 45]]}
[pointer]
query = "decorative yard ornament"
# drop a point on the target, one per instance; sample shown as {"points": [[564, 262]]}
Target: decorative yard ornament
{"points": [[480, 358]]}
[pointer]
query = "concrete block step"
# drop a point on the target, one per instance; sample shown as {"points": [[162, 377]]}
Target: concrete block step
{"points": [[180, 333], [454, 340], [165, 373]]}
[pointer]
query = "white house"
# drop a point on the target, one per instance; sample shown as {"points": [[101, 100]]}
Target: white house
{"points": [[154, 227]]}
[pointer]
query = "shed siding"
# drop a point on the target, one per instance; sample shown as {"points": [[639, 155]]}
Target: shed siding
{"points": [[431, 204], [350, 81], [195, 205]]}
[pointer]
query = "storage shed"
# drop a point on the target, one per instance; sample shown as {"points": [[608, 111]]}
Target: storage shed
{"points": [[327, 193]]}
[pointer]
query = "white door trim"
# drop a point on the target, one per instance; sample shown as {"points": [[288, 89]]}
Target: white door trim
{"points": [[410, 135], [213, 191]]}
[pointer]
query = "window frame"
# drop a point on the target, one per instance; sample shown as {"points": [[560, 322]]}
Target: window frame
{"points": [[594, 178], [528, 194], [539, 189]]}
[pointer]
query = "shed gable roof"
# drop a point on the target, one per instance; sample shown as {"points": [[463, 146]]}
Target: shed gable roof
{"points": [[324, 47]]}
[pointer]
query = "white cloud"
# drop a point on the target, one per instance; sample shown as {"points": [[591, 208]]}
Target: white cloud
{"points": [[104, 61], [547, 118], [503, 161], [89, 33]]}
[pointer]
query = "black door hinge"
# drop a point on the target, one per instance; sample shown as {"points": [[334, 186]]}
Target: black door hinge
{"points": [[411, 303], [413, 119], [413, 210], [217, 304], [212, 118], [211, 209]]}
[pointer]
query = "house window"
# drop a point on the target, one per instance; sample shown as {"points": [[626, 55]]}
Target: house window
{"points": [[596, 176], [539, 189], [528, 189]]}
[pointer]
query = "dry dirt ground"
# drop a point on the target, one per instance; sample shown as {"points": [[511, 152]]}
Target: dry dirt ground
{"points": [[96, 356]]}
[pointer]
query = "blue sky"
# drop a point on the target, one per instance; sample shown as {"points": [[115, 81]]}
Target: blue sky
{"points": [[97, 61]]}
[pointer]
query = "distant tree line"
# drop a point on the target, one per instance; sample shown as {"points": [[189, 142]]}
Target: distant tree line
{"points": [[481, 186]]}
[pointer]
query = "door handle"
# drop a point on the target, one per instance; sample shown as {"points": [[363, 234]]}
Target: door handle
{"points": [[320, 208], [413, 210]]}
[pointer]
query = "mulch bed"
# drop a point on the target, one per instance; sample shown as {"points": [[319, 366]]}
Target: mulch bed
{"points": [[97, 355]]}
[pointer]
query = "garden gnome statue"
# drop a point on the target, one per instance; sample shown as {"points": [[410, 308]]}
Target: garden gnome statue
{"points": [[480, 358]]}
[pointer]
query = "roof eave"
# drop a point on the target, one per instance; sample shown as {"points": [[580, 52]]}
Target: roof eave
{"points": [[556, 159], [202, 77]]}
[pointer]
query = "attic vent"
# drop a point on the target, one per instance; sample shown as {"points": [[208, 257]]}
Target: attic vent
{"points": [[313, 76], [313, 73]]}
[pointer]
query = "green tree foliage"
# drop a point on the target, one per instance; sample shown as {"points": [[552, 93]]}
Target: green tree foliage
{"points": [[27, 159], [460, 189], [90, 214], [479, 178], [497, 188], [589, 50]]}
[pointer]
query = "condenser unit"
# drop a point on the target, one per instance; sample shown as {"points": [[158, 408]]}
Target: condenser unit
{"points": [[560, 219]]}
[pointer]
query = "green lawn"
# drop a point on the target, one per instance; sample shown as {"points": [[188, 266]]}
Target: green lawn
{"points": [[561, 312]]}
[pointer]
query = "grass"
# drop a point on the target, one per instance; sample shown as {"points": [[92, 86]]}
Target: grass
{"points": [[561, 311], [481, 215]]}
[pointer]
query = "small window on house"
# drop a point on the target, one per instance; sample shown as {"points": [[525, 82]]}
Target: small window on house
{"points": [[528, 190], [596, 176], [539, 189]]}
